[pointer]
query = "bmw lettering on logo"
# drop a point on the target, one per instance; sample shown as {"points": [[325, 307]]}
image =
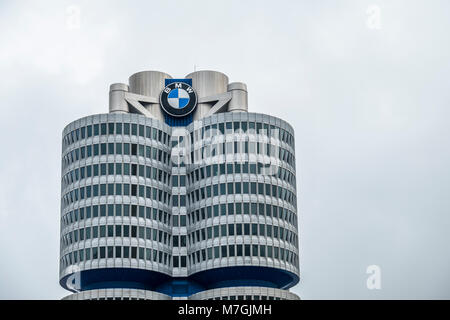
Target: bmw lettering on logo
{"points": [[178, 99]]}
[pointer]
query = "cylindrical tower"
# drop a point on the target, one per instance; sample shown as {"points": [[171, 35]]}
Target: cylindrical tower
{"points": [[239, 100], [207, 83], [115, 222], [117, 101], [150, 84], [203, 211], [242, 195]]}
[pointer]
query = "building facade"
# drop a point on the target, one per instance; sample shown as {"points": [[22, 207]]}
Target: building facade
{"points": [[179, 193]]}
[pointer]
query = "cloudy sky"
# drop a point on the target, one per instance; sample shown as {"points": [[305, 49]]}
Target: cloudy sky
{"points": [[364, 84]]}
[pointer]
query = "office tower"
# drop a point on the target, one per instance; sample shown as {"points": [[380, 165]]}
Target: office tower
{"points": [[179, 193]]}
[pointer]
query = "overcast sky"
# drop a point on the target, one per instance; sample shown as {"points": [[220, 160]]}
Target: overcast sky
{"points": [[365, 84]]}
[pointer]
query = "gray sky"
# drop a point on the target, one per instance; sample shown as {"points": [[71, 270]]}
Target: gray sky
{"points": [[363, 83]]}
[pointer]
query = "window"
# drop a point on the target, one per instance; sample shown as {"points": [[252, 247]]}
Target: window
{"points": [[102, 252], [175, 181], [103, 189], [126, 128], [224, 251], [254, 229], [103, 148], [231, 229], [103, 169], [247, 250]]}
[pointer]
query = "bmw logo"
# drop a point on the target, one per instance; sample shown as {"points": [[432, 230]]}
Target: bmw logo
{"points": [[178, 99]]}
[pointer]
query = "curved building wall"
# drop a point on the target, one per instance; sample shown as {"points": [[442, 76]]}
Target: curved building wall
{"points": [[245, 293], [178, 210], [117, 294], [242, 204], [115, 197]]}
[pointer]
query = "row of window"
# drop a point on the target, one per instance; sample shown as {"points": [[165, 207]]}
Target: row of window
{"points": [[112, 128], [116, 189], [248, 148], [238, 208], [237, 127], [116, 148], [154, 173], [240, 250], [116, 298], [139, 190], [118, 210], [131, 210], [247, 297], [117, 230], [237, 168], [240, 297], [115, 252], [134, 129], [230, 188], [217, 252], [133, 149], [242, 229], [224, 230], [103, 169]]}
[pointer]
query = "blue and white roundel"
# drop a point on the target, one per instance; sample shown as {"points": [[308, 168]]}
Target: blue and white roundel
{"points": [[178, 98]]}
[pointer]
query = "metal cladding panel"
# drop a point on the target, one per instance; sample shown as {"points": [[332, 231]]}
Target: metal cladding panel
{"points": [[148, 83], [178, 122], [207, 83]]}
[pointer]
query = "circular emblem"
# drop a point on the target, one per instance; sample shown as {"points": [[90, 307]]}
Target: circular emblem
{"points": [[178, 99]]}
